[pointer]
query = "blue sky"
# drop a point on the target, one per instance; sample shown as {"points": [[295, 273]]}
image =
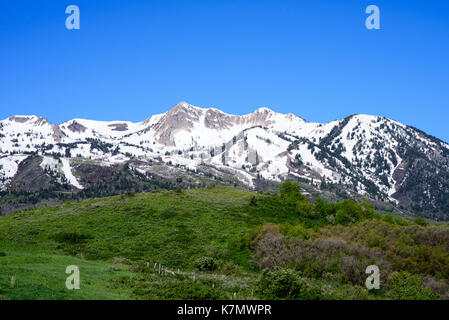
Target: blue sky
{"points": [[316, 59]]}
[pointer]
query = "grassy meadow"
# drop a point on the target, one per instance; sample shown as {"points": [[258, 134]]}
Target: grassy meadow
{"points": [[219, 243]]}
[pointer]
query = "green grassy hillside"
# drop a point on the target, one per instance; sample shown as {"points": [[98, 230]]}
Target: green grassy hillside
{"points": [[217, 241]]}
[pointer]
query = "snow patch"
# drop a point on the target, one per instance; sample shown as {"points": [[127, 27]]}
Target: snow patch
{"points": [[67, 170], [8, 168]]}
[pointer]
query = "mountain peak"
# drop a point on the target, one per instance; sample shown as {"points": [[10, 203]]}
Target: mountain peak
{"points": [[264, 110], [184, 106]]}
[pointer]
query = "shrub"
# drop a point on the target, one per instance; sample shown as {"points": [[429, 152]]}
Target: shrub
{"points": [[421, 221], [169, 212], [438, 286], [254, 235], [405, 286], [350, 211], [290, 192], [285, 284], [321, 208], [271, 250], [343, 218], [432, 236], [346, 262], [230, 268], [428, 260], [177, 189], [205, 264], [123, 281], [367, 210], [253, 201], [296, 231], [400, 222], [388, 218], [376, 241], [305, 208], [179, 289], [70, 237], [130, 194], [2, 254]]}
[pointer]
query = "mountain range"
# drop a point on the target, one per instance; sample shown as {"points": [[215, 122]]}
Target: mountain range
{"points": [[359, 156]]}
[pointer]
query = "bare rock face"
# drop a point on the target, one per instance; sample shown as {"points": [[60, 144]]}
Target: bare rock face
{"points": [[215, 119], [41, 122], [260, 117], [35, 121], [20, 119], [57, 134], [119, 126], [30, 176], [76, 127]]}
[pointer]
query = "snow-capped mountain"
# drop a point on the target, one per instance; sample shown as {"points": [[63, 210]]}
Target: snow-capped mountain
{"points": [[369, 155]]}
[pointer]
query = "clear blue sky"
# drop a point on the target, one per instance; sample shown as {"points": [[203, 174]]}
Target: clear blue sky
{"points": [[316, 59]]}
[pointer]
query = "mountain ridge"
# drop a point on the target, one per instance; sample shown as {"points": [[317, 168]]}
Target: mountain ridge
{"points": [[369, 155], [31, 116]]}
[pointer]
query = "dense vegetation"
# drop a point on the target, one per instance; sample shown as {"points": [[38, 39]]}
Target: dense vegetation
{"points": [[220, 243], [34, 186]]}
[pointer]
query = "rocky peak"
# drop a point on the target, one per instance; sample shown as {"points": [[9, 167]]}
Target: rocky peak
{"points": [[182, 116], [183, 107]]}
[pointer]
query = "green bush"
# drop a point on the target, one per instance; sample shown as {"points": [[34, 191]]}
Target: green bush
{"points": [[176, 290], [388, 218], [290, 192], [421, 221], [428, 260], [400, 222], [405, 286], [285, 284], [305, 208], [296, 231], [205, 264], [130, 194], [376, 241], [177, 189], [343, 218], [253, 201], [70, 237], [321, 209]]}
